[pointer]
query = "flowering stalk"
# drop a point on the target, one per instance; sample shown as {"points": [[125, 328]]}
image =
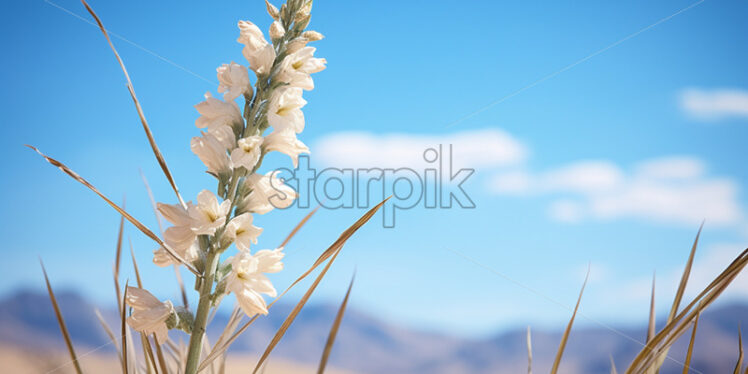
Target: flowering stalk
{"points": [[232, 148]]}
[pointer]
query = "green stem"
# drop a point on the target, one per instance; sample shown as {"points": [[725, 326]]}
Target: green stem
{"points": [[201, 317]]}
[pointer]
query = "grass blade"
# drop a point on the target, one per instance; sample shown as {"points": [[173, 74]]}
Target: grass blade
{"points": [[116, 207], [118, 257], [684, 277], [529, 351], [143, 121], [160, 355], [652, 314], [61, 322], [299, 226], [673, 330], [334, 329], [294, 313], [689, 354], [565, 337], [739, 365], [612, 366], [123, 331]]}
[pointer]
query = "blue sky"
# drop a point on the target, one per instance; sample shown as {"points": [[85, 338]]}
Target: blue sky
{"points": [[612, 161]]}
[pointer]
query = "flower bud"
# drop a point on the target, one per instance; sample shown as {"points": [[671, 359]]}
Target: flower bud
{"points": [[276, 30], [313, 36], [272, 10], [296, 44]]}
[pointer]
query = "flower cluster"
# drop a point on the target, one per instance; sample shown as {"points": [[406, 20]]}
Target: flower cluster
{"points": [[232, 144]]}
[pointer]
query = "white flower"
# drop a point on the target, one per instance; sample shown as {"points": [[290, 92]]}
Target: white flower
{"points": [[212, 152], [180, 236], [256, 49], [284, 110], [241, 230], [162, 258], [297, 67], [233, 79], [149, 315], [248, 282], [268, 192], [276, 30], [247, 153], [285, 141], [208, 215], [296, 44], [215, 113]]}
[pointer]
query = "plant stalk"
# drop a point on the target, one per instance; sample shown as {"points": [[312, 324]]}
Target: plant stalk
{"points": [[201, 316]]}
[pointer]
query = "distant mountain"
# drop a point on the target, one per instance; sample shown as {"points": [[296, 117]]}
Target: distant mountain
{"points": [[367, 345]]}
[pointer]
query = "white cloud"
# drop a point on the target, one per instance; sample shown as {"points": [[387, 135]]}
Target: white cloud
{"points": [[715, 104], [672, 168], [565, 211], [471, 149], [673, 190]]}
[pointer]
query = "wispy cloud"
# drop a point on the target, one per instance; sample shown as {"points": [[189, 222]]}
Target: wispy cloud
{"points": [[715, 104], [673, 190], [473, 149]]}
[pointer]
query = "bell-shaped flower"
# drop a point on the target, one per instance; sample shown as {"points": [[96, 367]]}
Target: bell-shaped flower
{"points": [[247, 152], [212, 152], [284, 109], [215, 113], [233, 80], [257, 50], [267, 192], [208, 215], [247, 281], [285, 141], [242, 231], [179, 237], [149, 315], [162, 258], [297, 67]]}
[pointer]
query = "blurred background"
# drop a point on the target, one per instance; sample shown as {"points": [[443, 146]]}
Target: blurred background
{"points": [[602, 135]]}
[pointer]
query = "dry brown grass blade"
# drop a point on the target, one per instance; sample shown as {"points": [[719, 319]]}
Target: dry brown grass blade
{"points": [[339, 243], [565, 337], [295, 312], [680, 322], [61, 322], [160, 355], [118, 256], [143, 121], [334, 329], [299, 226], [739, 364], [529, 351], [150, 361], [123, 331], [689, 354], [652, 314], [116, 207], [219, 349], [612, 366], [684, 277]]}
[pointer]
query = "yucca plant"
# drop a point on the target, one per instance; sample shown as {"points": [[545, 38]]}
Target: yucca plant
{"points": [[232, 146]]}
